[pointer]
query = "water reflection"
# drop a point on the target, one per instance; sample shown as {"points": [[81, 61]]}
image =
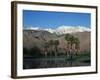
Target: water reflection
{"points": [[48, 62]]}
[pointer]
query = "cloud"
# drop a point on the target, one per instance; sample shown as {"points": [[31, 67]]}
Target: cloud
{"points": [[32, 28]]}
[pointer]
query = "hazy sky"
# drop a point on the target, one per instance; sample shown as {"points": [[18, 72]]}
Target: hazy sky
{"points": [[48, 19]]}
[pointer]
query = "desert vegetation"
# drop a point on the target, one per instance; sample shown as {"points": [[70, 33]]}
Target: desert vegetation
{"points": [[50, 56]]}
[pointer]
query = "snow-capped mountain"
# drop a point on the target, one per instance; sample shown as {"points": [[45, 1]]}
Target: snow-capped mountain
{"points": [[68, 29], [63, 29]]}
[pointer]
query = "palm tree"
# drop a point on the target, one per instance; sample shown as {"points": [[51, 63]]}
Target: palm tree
{"points": [[70, 41], [56, 43], [46, 48], [67, 38], [51, 45], [73, 44], [77, 45]]}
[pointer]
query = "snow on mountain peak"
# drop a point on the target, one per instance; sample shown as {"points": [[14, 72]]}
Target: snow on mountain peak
{"points": [[70, 29], [63, 29]]}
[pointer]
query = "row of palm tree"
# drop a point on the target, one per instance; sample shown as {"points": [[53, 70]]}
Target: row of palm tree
{"points": [[50, 46], [73, 44]]}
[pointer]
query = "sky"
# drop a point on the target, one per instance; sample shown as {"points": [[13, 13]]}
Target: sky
{"points": [[48, 19]]}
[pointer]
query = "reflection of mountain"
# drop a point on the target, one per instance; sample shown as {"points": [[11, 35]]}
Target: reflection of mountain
{"points": [[38, 38]]}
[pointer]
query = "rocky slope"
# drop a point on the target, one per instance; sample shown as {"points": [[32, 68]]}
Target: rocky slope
{"points": [[38, 38]]}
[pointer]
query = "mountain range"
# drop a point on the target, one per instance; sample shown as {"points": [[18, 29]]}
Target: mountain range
{"points": [[38, 37], [62, 29]]}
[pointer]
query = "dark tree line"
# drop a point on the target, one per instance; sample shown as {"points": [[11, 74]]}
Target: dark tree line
{"points": [[34, 52]]}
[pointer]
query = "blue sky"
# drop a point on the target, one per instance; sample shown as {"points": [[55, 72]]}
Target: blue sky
{"points": [[48, 19]]}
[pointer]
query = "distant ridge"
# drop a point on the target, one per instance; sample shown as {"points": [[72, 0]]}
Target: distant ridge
{"points": [[62, 29]]}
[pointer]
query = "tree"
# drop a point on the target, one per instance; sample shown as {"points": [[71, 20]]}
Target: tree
{"points": [[35, 52], [56, 43], [73, 44], [77, 45], [70, 41], [46, 48], [51, 45]]}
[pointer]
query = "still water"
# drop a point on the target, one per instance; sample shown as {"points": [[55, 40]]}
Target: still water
{"points": [[51, 62]]}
